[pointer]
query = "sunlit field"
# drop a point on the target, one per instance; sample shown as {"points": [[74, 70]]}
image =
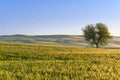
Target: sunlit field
{"points": [[57, 62]]}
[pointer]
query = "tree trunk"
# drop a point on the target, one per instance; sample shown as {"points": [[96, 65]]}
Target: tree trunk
{"points": [[97, 46]]}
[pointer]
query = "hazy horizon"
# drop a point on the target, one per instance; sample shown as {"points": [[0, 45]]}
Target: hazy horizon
{"points": [[57, 17]]}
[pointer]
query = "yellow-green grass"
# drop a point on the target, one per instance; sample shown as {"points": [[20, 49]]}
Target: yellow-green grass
{"points": [[57, 62]]}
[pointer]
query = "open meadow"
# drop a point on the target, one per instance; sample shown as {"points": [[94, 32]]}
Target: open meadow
{"points": [[59, 39], [20, 61]]}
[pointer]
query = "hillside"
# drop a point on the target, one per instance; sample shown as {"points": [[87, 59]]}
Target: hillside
{"points": [[56, 39]]}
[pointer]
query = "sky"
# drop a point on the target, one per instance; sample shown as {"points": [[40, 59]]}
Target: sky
{"points": [[52, 17]]}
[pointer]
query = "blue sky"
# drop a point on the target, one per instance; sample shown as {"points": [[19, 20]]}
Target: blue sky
{"points": [[48, 17]]}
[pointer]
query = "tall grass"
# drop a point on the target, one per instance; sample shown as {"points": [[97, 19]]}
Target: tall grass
{"points": [[55, 62]]}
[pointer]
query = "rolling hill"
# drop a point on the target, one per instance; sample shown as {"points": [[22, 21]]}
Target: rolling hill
{"points": [[77, 40]]}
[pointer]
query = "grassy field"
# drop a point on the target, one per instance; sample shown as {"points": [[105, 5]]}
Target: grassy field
{"points": [[57, 62]]}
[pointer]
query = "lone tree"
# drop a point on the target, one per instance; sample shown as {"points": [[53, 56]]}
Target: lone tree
{"points": [[97, 34]]}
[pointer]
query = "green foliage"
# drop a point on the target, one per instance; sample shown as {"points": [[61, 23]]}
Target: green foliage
{"points": [[97, 35], [57, 62]]}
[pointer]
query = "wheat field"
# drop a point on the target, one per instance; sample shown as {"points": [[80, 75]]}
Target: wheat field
{"points": [[20, 61]]}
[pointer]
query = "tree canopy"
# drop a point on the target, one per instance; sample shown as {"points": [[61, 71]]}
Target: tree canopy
{"points": [[97, 34]]}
